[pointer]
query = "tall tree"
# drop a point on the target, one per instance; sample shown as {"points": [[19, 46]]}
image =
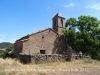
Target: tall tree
{"points": [[84, 34]]}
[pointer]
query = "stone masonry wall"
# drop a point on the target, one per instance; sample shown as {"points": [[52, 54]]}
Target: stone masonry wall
{"points": [[47, 40], [43, 41], [42, 57], [18, 48]]}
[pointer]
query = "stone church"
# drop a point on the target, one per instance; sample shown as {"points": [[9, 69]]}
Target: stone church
{"points": [[47, 41]]}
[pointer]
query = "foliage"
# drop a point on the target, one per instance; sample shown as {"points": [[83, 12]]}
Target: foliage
{"points": [[7, 53], [10, 51], [84, 34], [69, 47], [3, 54]]}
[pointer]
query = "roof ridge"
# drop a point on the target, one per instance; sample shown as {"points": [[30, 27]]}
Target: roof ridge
{"points": [[43, 30], [22, 38], [59, 14]]}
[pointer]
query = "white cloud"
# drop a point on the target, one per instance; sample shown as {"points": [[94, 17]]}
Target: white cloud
{"points": [[94, 6], [69, 5], [8, 40], [3, 38], [13, 40]]}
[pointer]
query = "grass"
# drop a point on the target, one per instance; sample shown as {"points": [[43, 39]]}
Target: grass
{"points": [[3, 73], [10, 66], [87, 61], [42, 73]]}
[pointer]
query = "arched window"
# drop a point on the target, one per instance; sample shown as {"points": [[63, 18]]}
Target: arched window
{"points": [[55, 23], [61, 22]]}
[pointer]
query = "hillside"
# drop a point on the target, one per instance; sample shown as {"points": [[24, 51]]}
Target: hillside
{"points": [[5, 44]]}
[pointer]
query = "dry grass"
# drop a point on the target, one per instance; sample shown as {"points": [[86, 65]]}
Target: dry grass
{"points": [[75, 67]]}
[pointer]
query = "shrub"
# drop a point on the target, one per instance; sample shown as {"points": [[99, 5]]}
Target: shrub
{"points": [[3, 54], [3, 73]]}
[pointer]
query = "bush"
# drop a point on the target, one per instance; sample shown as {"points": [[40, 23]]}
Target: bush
{"points": [[3, 54], [96, 55]]}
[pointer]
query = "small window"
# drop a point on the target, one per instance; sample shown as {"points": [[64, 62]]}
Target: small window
{"points": [[42, 51], [42, 37]]}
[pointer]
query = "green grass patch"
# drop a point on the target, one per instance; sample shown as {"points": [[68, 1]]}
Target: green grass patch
{"points": [[3, 73]]}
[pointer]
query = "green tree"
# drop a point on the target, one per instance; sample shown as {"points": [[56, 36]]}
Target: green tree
{"points": [[84, 34], [3, 54], [10, 50]]}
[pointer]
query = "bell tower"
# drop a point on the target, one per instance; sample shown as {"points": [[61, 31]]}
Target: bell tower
{"points": [[58, 23]]}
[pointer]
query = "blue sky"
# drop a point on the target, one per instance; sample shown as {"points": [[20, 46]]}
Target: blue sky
{"points": [[21, 17]]}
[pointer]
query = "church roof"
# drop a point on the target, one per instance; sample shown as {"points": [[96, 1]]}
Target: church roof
{"points": [[24, 38], [59, 15], [45, 30]]}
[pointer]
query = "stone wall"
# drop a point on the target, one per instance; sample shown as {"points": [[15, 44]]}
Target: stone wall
{"points": [[43, 40], [18, 48], [47, 40], [42, 57]]}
